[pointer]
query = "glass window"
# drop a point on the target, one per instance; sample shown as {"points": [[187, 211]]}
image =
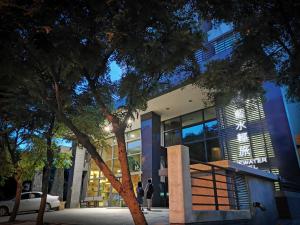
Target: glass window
{"points": [[211, 129], [106, 152], [117, 167], [37, 195], [214, 152], [172, 124], [209, 113], [192, 118], [115, 151], [134, 147], [133, 135], [25, 196], [197, 152], [191, 134], [134, 163], [172, 138]]}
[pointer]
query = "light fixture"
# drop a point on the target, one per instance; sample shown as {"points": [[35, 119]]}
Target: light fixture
{"points": [[107, 128]]}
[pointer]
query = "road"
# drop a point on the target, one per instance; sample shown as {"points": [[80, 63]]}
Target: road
{"points": [[97, 216]]}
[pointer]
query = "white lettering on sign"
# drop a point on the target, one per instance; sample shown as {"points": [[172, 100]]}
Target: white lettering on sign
{"points": [[244, 150], [249, 162], [239, 114], [242, 137], [240, 125]]}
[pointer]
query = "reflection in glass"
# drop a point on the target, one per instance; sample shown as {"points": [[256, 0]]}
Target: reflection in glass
{"points": [[209, 113], [133, 135], [134, 147], [211, 129], [134, 162], [172, 124], [192, 118], [191, 134], [172, 138], [197, 152], [213, 150]]}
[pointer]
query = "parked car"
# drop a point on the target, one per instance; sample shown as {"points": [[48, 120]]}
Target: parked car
{"points": [[30, 201]]}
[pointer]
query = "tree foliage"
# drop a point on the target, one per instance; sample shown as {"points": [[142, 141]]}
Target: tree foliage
{"points": [[60, 59], [268, 48]]}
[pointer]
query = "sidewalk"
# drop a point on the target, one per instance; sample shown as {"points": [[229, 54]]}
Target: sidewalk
{"points": [[93, 216]]}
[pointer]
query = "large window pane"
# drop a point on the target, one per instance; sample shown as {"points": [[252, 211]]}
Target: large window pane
{"points": [[192, 118], [117, 167], [133, 135], [191, 134], [115, 151], [214, 150], [197, 152], [106, 152], [172, 138], [209, 113], [134, 163], [172, 124], [134, 147], [211, 129]]}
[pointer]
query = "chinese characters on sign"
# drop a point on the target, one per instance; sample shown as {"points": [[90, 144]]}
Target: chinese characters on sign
{"points": [[242, 137], [244, 141]]}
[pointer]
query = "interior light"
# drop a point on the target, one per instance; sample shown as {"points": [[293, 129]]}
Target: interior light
{"points": [[107, 128]]}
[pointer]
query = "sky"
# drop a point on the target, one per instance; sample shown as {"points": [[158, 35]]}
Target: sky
{"points": [[115, 74], [115, 71]]}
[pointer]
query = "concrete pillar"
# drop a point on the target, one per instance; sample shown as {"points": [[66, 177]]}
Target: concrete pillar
{"points": [[75, 177], [57, 188], [151, 152], [37, 181], [180, 190]]}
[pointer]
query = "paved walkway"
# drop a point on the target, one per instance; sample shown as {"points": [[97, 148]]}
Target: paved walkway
{"points": [[96, 216]]}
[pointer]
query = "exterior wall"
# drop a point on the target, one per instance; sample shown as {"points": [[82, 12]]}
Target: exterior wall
{"points": [[262, 191], [280, 131], [37, 181], [75, 178], [151, 153]]}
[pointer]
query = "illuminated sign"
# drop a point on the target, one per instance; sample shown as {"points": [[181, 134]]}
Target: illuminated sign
{"points": [[244, 134]]}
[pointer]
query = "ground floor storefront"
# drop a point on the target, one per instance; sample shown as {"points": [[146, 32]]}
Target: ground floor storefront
{"points": [[253, 132]]}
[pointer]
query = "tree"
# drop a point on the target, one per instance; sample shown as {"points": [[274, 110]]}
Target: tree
{"points": [[21, 164], [268, 47], [65, 64]]}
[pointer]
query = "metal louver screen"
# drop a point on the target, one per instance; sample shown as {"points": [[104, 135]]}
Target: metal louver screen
{"points": [[244, 134]]}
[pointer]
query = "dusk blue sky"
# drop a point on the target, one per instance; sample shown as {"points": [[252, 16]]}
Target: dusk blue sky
{"points": [[115, 71]]}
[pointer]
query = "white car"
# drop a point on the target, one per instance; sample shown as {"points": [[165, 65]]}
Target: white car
{"points": [[30, 201]]}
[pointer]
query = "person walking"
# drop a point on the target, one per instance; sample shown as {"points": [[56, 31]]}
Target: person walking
{"points": [[140, 194], [149, 194]]}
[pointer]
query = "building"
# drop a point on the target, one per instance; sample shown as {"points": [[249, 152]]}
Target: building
{"points": [[259, 133]]}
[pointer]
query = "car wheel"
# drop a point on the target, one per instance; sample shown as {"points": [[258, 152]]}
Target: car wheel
{"points": [[3, 211], [48, 207]]}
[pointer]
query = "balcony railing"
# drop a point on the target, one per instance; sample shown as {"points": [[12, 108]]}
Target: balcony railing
{"points": [[217, 188]]}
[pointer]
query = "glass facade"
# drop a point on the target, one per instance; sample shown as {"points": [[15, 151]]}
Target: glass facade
{"points": [[98, 185], [198, 131]]}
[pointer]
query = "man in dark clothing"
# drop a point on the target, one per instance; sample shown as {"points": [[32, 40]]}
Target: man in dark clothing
{"points": [[149, 194]]}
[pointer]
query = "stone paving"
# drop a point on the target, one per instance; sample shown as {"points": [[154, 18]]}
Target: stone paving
{"points": [[92, 216]]}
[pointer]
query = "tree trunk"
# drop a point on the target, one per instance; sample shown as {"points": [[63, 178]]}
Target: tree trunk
{"points": [[128, 192], [46, 174], [125, 189], [40, 217], [13, 215]]}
